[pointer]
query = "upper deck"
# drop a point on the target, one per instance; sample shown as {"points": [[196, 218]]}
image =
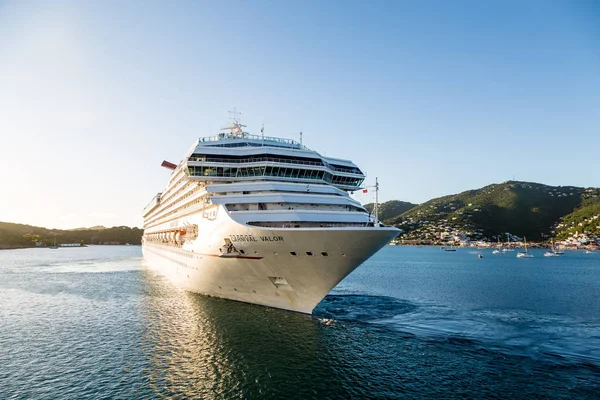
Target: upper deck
{"points": [[240, 156]]}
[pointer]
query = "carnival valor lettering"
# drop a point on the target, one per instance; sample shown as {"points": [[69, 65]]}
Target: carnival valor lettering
{"points": [[251, 238]]}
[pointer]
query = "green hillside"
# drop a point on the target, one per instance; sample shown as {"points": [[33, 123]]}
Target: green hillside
{"points": [[584, 219], [19, 235], [521, 208], [391, 209]]}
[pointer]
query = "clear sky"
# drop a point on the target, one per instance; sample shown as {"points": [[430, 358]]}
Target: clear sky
{"points": [[432, 97]]}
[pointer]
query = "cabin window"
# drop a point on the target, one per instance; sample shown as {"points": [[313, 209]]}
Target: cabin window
{"points": [[293, 253], [308, 253], [324, 254]]}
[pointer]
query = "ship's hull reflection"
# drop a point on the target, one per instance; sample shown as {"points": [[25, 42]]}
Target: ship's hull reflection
{"points": [[204, 347]]}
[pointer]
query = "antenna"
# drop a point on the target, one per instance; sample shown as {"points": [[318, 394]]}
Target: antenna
{"points": [[235, 115], [376, 201], [300, 138], [235, 127]]}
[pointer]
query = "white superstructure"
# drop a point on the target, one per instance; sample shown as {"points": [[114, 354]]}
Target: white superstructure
{"points": [[260, 219]]}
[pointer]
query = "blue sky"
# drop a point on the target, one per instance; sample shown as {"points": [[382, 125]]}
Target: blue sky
{"points": [[432, 97]]}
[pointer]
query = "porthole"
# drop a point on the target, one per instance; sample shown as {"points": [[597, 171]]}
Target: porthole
{"points": [[293, 253], [309, 253], [324, 254]]}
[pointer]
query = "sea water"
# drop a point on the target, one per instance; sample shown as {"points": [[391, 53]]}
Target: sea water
{"points": [[94, 323]]}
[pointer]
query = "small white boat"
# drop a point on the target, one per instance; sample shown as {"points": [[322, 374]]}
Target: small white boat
{"points": [[553, 252], [508, 246], [449, 248], [524, 254], [496, 252]]}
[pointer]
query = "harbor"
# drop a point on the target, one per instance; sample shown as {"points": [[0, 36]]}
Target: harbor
{"points": [[299, 200]]}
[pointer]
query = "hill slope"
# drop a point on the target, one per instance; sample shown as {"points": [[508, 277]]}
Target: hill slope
{"points": [[391, 209], [19, 235], [521, 208], [584, 219]]}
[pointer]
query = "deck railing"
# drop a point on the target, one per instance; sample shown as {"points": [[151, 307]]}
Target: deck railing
{"points": [[264, 140]]}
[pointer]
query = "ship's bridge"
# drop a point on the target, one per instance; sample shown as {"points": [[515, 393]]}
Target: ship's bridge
{"points": [[240, 156]]}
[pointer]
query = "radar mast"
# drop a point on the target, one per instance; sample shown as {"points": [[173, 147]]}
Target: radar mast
{"points": [[234, 126]]}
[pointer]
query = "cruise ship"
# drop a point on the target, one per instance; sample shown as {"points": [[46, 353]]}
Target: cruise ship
{"points": [[259, 219]]}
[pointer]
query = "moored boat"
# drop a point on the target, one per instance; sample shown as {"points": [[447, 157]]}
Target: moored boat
{"points": [[526, 253]]}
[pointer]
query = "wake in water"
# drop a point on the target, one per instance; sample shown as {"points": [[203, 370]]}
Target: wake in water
{"points": [[519, 332], [362, 308]]}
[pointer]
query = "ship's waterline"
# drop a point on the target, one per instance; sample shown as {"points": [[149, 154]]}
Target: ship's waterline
{"points": [[262, 220]]}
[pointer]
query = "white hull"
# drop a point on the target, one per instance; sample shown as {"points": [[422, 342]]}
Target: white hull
{"points": [[267, 272]]}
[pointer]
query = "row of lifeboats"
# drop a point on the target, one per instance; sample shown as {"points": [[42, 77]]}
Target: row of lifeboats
{"points": [[173, 236]]}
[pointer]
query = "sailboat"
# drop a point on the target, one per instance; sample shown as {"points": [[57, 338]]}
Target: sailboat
{"points": [[499, 249], [557, 251], [451, 248], [54, 246], [508, 248], [553, 252], [524, 254]]}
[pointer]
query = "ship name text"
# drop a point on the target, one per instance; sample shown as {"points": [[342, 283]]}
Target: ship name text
{"points": [[252, 238]]}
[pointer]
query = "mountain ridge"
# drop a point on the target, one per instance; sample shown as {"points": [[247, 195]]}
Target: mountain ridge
{"points": [[529, 209]]}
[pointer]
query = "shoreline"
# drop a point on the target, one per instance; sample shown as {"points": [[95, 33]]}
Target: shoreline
{"points": [[535, 246], [64, 247]]}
